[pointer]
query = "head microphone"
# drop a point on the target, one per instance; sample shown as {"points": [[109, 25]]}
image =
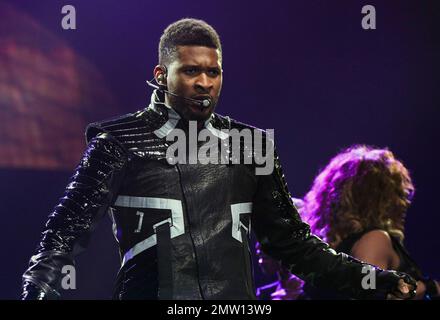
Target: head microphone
{"points": [[205, 103]]}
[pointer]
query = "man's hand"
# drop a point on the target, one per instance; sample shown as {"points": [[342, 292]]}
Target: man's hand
{"points": [[406, 289]]}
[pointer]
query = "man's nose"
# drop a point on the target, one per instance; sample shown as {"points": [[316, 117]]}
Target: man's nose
{"points": [[203, 83]]}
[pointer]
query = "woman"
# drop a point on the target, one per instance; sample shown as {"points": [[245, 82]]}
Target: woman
{"points": [[358, 205]]}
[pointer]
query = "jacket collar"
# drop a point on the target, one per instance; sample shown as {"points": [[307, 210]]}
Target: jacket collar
{"points": [[157, 104]]}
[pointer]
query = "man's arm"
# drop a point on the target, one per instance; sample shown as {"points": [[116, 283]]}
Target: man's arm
{"points": [[285, 237], [91, 190]]}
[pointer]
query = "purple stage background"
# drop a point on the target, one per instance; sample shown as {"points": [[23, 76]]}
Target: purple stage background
{"points": [[305, 68]]}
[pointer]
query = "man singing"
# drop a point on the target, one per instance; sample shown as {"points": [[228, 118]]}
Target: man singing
{"points": [[183, 227]]}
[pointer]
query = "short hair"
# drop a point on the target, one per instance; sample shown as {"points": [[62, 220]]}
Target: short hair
{"points": [[187, 32]]}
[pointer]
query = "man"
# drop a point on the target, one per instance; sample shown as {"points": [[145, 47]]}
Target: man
{"points": [[183, 228]]}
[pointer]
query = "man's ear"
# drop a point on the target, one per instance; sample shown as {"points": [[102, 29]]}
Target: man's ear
{"points": [[160, 75]]}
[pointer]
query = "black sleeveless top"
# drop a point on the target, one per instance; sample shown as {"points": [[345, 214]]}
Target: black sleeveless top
{"points": [[407, 265]]}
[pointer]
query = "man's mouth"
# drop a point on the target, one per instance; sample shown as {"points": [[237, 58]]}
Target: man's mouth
{"points": [[202, 98]]}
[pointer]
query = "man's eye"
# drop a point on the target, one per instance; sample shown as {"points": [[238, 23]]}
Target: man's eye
{"points": [[190, 71], [213, 73]]}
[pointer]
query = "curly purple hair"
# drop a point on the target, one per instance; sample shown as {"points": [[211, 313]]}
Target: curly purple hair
{"points": [[361, 188]]}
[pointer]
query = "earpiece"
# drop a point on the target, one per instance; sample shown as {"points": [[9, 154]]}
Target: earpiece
{"points": [[161, 78]]}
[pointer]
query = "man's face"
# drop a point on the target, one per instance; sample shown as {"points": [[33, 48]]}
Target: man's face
{"points": [[195, 73]]}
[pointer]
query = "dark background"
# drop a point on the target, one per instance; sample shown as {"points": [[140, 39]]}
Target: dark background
{"points": [[305, 68]]}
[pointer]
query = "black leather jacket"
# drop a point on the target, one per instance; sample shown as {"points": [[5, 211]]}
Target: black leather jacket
{"points": [[182, 229]]}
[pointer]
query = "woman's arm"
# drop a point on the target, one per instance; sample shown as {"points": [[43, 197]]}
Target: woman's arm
{"points": [[376, 247]]}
